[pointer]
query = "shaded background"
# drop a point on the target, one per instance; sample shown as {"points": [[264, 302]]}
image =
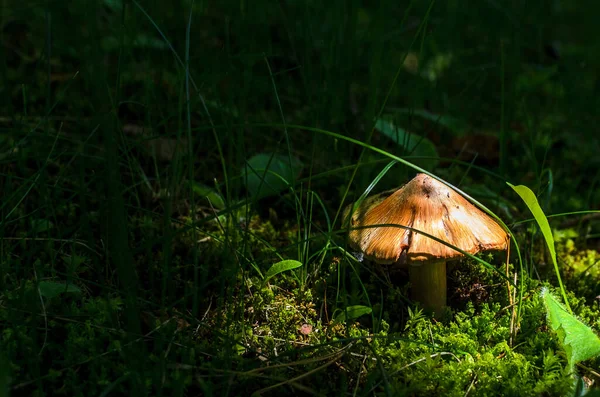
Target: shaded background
{"points": [[109, 149]]}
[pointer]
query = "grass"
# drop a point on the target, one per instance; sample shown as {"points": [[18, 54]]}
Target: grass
{"points": [[174, 176]]}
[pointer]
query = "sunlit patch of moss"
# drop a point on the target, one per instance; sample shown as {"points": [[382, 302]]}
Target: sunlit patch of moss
{"points": [[278, 321], [425, 368], [450, 374], [580, 267], [470, 352], [467, 353], [490, 327], [563, 237]]}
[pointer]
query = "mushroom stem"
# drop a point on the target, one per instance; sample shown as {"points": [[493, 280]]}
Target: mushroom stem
{"points": [[428, 285]]}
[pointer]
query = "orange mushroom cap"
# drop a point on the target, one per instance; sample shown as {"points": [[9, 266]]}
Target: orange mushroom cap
{"points": [[427, 205]]}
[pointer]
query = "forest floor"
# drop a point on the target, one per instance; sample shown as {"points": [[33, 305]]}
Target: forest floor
{"points": [[174, 176]]}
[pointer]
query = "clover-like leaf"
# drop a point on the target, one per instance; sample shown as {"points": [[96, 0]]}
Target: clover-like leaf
{"points": [[579, 341]]}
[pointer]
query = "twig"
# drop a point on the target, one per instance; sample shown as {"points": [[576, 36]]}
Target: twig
{"points": [[513, 315], [575, 221], [471, 385]]}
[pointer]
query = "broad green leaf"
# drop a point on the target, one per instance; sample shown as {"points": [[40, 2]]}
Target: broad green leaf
{"points": [[113, 43], [281, 267], [219, 107], [210, 194], [74, 260], [114, 5], [413, 145], [436, 66], [352, 312], [269, 174], [534, 206], [579, 341], [484, 192], [534, 77], [41, 225], [454, 124], [51, 289]]}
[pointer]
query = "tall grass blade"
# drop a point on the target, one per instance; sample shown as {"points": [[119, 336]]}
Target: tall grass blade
{"points": [[534, 206]]}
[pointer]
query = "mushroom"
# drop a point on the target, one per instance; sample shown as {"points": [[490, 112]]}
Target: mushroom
{"points": [[422, 205]]}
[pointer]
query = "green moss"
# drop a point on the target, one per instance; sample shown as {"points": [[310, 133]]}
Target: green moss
{"points": [[279, 318], [469, 352], [582, 268], [281, 328]]}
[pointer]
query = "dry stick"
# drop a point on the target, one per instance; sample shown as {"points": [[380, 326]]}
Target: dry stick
{"points": [[60, 240], [590, 370], [471, 385], [516, 305], [513, 315], [362, 368], [325, 302], [44, 314], [293, 381], [574, 222], [339, 353], [511, 301], [511, 306], [289, 341]]}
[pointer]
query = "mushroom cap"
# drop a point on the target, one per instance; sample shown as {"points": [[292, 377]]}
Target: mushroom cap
{"points": [[427, 205]]}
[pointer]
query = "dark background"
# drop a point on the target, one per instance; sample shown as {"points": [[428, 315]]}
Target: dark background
{"points": [[127, 126]]}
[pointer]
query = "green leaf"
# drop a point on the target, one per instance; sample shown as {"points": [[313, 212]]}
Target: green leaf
{"points": [[578, 340], [210, 194], [413, 145], [269, 174], [114, 5], [74, 260], [352, 312], [41, 225], [454, 124], [484, 192], [281, 267], [51, 289], [113, 43], [436, 66], [531, 201], [529, 198]]}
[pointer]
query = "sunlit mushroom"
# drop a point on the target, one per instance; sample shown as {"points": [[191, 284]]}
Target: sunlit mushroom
{"points": [[422, 205]]}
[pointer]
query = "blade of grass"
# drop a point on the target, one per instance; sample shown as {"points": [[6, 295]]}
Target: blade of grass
{"points": [[532, 203]]}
